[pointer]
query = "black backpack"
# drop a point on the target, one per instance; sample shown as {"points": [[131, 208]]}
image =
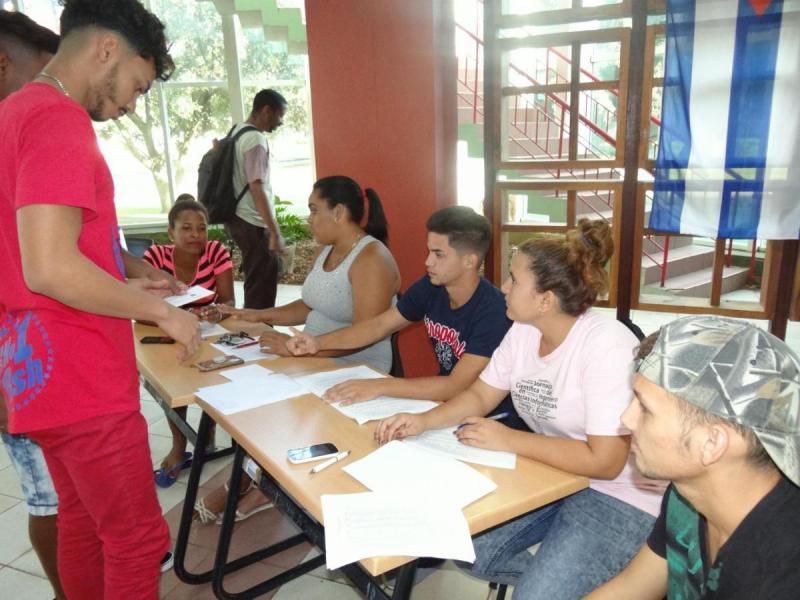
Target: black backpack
{"points": [[215, 178]]}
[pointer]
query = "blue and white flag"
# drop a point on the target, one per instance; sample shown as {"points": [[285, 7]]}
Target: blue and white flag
{"points": [[728, 162]]}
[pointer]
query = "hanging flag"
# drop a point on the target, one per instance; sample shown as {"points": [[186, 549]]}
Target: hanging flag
{"points": [[728, 162]]}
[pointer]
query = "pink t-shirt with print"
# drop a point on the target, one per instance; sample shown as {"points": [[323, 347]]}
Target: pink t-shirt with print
{"points": [[579, 389]]}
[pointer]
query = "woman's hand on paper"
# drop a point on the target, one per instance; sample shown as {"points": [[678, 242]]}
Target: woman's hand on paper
{"points": [[398, 427], [483, 433], [302, 344], [275, 343], [355, 390]]}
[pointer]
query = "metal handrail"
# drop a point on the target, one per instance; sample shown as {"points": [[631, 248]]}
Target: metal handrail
{"points": [[591, 124]]}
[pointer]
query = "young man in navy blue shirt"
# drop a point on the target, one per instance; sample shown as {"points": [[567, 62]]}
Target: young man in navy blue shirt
{"points": [[464, 315]]}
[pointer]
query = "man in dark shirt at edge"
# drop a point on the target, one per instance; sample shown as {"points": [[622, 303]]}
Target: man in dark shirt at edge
{"points": [[716, 411]]}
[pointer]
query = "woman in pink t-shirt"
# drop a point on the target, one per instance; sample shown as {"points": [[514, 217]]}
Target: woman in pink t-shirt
{"points": [[194, 260], [568, 370]]}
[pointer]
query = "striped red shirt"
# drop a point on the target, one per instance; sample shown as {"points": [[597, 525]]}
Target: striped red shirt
{"points": [[215, 260]]}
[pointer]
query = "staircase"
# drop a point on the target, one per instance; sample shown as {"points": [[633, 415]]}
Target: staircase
{"points": [[281, 20], [538, 129]]}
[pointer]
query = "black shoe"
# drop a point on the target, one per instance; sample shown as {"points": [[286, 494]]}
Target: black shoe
{"points": [[166, 562]]}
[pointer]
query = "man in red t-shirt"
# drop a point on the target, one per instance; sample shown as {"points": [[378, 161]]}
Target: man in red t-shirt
{"points": [[66, 355]]}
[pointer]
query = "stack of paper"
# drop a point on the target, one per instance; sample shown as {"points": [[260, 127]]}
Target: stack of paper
{"points": [[252, 374], [371, 410], [414, 508], [383, 407], [445, 443], [358, 526], [236, 396], [208, 330], [405, 470], [319, 383]]}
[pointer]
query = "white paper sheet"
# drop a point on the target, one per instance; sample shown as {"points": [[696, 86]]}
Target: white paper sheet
{"points": [[383, 407], [236, 396], [402, 469], [318, 383], [194, 293], [246, 353], [208, 330], [359, 526], [444, 443], [253, 374]]}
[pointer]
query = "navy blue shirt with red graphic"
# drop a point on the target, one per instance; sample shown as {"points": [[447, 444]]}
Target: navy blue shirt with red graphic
{"points": [[477, 327]]}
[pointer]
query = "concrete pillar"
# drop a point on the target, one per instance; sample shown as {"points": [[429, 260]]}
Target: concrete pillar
{"points": [[383, 77]]}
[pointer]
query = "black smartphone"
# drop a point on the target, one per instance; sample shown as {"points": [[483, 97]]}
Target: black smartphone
{"points": [[309, 453], [157, 339]]}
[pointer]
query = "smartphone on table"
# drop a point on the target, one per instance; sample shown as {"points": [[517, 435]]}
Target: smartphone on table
{"points": [[306, 454], [220, 362], [157, 339]]}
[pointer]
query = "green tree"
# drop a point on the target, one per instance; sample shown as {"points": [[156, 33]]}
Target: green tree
{"points": [[195, 30]]}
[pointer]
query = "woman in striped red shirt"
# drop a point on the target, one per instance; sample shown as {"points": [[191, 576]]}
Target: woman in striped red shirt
{"points": [[194, 260]]}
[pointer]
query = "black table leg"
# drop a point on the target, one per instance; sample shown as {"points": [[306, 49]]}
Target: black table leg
{"points": [[182, 542]]}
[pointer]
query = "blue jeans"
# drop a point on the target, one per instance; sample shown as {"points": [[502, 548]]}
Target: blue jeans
{"points": [[37, 485], [587, 538]]}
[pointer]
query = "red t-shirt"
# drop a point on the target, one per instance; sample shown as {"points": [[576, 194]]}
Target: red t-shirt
{"points": [[58, 365]]}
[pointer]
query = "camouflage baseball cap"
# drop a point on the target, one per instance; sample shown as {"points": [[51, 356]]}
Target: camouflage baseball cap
{"points": [[736, 371]]}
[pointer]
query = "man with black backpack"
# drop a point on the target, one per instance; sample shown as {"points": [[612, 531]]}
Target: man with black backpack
{"points": [[253, 226]]}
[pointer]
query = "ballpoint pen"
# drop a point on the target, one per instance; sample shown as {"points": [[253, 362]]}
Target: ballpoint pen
{"points": [[246, 344], [331, 461], [497, 417]]}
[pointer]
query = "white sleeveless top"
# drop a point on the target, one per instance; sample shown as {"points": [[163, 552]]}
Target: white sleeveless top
{"points": [[329, 295]]}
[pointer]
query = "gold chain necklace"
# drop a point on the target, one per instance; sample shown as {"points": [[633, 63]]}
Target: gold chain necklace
{"points": [[55, 80], [345, 255]]}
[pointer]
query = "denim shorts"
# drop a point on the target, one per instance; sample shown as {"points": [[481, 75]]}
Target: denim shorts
{"points": [[37, 485]]}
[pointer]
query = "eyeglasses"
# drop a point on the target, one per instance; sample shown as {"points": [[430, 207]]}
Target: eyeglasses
{"points": [[234, 339]]}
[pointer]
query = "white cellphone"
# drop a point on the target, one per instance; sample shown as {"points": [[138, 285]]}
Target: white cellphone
{"points": [[306, 454]]}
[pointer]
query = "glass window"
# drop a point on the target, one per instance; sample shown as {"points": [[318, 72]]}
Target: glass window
{"points": [[153, 154]]}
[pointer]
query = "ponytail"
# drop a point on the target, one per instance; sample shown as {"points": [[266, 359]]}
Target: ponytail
{"points": [[364, 206], [375, 224]]}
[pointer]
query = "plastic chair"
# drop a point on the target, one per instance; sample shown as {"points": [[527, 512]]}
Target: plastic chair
{"points": [[138, 245]]}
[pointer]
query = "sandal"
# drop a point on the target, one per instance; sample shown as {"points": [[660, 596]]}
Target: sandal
{"points": [[240, 516], [203, 514], [166, 476]]}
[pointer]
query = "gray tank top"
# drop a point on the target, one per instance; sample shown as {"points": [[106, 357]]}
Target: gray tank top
{"points": [[329, 295]]}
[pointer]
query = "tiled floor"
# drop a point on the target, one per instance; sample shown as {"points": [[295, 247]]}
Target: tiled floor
{"points": [[22, 578]]}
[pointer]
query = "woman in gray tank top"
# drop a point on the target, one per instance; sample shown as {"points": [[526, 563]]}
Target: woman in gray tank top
{"points": [[354, 276]]}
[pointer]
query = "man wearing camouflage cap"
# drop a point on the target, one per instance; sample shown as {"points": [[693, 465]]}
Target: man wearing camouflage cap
{"points": [[716, 411]]}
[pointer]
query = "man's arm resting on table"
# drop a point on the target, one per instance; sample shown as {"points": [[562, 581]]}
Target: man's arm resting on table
{"points": [[363, 333], [437, 387], [54, 266], [645, 578]]}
